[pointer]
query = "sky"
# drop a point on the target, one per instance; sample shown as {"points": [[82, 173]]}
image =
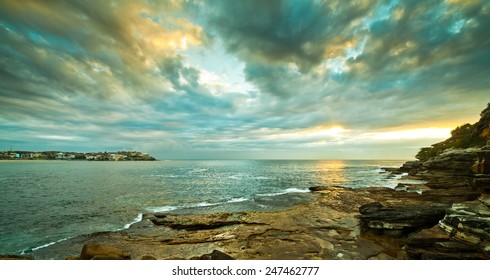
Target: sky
{"points": [[241, 79]]}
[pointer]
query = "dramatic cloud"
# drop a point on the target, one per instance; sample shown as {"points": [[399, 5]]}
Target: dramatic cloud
{"points": [[246, 79]]}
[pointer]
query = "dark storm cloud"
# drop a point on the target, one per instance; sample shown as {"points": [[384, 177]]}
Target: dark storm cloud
{"points": [[420, 38], [122, 74], [76, 45], [94, 70], [300, 32], [380, 57]]}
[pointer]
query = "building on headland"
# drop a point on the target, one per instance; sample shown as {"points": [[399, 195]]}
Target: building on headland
{"points": [[91, 156], [60, 156]]}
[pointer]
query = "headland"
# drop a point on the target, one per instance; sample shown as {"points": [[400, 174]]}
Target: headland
{"points": [[89, 156]]}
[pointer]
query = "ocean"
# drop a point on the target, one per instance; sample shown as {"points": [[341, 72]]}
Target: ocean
{"points": [[44, 202]]}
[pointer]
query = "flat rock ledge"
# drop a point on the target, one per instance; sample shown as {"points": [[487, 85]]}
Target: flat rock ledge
{"points": [[341, 223]]}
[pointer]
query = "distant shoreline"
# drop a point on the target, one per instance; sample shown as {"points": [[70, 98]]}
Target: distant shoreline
{"points": [[89, 156], [64, 161]]}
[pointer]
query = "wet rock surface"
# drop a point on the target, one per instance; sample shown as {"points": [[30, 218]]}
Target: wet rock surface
{"points": [[330, 227], [198, 222], [327, 228], [103, 252]]}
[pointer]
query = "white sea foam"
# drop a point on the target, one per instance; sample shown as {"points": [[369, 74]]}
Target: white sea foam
{"points": [[203, 204], [371, 171], [241, 176], [195, 205], [290, 190], [235, 200], [162, 208], [296, 190], [164, 175], [45, 245], [198, 170], [135, 220], [262, 178]]}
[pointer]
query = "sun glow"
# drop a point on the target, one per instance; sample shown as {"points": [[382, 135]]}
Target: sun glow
{"points": [[331, 132]]}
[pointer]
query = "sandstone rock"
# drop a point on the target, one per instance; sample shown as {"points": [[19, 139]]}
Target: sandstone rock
{"points": [[482, 183], [103, 252], [403, 218], [468, 222], [326, 228], [427, 237], [483, 164], [485, 199], [199, 222], [369, 248], [370, 207], [148, 258], [436, 255], [452, 168], [392, 170], [411, 167], [160, 214], [435, 243], [215, 255], [321, 188], [382, 256], [454, 246], [416, 188]]}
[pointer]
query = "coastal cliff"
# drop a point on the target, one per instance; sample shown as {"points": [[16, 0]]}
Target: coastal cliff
{"points": [[457, 176], [447, 217]]}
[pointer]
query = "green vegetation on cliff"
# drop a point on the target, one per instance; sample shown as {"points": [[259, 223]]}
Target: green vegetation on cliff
{"points": [[462, 137]]}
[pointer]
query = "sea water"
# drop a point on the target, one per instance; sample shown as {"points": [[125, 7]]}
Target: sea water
{"points": [[44, 202]]}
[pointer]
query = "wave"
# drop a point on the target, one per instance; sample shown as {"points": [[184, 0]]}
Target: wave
{"points": [[205, 204], [135, 220], [162, 208], [290, 190], [198, 170], [170, 208], [163, 175], [26, 251], [377, 170], [262, 178], [241, 176], [240, 199]]}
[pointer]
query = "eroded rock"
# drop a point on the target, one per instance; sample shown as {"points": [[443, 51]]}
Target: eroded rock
{"points": [[402, 219], [321, 188], [215, 255], [199, 222], [103, 252], [468, 222]]}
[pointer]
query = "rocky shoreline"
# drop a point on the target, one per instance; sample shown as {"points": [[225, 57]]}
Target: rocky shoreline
{"points": [[447, 217], [409, 222], [361, 224]]}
